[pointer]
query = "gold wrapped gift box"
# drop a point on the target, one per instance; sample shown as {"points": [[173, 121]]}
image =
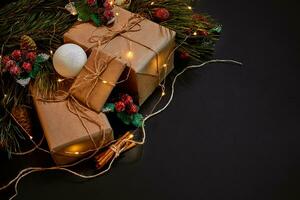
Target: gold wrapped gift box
{"points": [[146, 46], [66, 135], [96, 80]]}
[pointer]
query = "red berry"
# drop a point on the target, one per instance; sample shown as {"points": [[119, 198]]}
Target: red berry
{"points": [[199, 18], [127, 99], [108, 14], [184, 55], [14, 70], [27, 66], [5, 59], [31, 56], [120, 106], [161, 14], [202, 32], [132, 109], [107, 5], [16, 54], [91, 2], [10, 63]]}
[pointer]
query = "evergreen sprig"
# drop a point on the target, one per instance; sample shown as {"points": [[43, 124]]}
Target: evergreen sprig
{"points": [[184, 22], [45, 21]]}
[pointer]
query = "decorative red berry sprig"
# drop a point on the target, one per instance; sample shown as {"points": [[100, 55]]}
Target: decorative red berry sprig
{"points": [[125, 109], [100, 12], [24, 63], [18, 62]]}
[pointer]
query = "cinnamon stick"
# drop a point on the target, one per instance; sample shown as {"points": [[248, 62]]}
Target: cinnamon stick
{"points": [[130, 146], [111, 153], [101, 155], [103, 158]]}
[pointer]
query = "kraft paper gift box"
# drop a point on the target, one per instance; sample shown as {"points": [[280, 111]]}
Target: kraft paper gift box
{"points": [[67, 138], [145, 45], [97, 79]]}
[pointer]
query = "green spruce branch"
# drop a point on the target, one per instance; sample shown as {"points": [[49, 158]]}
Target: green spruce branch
{"points": [[182, 21], [45, 21]]}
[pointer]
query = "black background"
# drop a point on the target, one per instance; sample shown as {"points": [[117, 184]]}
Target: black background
{"points": [[230, 133]]}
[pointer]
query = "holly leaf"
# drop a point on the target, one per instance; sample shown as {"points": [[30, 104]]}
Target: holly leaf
{"points": [[125, 118], [84, 12], [96, 19], [41, 58], [35, 70], [137, 120], [217, 29], [108, 107]]}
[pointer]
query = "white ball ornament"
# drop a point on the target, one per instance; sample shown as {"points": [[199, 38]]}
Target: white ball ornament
{"points": [[69, 59]]}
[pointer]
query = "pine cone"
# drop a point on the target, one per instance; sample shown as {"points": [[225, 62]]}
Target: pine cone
{"points": [[22, 118], [27, 43]]}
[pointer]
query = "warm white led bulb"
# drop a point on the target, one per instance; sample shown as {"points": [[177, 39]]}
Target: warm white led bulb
{"points": [[129, 55]]}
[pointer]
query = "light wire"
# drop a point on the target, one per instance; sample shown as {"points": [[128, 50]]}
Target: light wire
{"points": [[30, 170]]}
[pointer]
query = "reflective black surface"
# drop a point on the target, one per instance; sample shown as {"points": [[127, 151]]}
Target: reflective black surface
{"points": [[230, 133]]}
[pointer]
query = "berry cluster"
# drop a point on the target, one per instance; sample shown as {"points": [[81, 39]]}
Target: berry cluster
{"points": [[101, 11], [126, 104], [19, 63]]}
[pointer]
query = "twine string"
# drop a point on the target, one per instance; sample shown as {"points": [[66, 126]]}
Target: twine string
{"points": [[76, 108], [90, 80], [31, 170], [162, 85], [115, 149], [132, 25], [35, 147]]}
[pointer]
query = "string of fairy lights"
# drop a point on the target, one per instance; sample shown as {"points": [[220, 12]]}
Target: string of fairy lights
{"points": [[27, 171], [70, 7], [130, 55]]}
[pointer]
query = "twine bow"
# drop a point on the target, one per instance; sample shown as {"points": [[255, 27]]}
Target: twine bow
{"points": [[80, 111], [133, 25]]}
